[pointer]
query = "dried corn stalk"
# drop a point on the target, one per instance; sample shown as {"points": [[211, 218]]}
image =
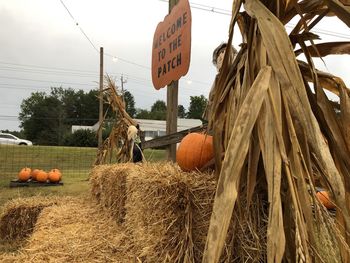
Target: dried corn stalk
{"points": [[116, 147], [280, 136]]}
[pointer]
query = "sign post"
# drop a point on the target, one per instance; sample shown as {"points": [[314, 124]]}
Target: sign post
{"points": [[171, 53]]}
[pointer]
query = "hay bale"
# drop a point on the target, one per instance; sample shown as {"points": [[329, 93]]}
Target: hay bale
{"points": [[168, 212], [73, 231], [108, 188], [20, 215]]}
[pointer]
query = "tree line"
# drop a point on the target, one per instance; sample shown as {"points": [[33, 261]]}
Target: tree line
{"points": [[47, 118]]}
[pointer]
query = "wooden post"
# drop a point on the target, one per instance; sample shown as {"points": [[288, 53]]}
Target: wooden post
{"points": [[172, 102], [122, 83], [100, 115]]}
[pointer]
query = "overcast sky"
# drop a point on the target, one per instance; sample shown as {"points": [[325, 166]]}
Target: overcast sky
{"points": [[42, 47]]}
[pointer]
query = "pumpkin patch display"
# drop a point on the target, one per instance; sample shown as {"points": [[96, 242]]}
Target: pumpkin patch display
{"points": [[325, 199], [55, 176], [42, 176], [34, 173], [194, 151], [24, 174]]}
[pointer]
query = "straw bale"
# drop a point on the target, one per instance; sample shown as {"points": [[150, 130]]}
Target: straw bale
{"points": [[20, 215], [74, 231], [108, 188], [168, 212]]}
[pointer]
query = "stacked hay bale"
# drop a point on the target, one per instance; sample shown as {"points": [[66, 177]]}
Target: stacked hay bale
{"points": [[108, 187], [160, 207], [73, 231], [167, 211], [160, 202], [20, 215]]}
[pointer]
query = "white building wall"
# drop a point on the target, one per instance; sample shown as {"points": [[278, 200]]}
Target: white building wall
{"points": [[153, 128]]}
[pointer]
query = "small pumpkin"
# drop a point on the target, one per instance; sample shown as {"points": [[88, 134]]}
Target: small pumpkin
{"points": [[42, 176], [325, 199], [55, 175], [24, 174], [34, 173], [195, 151]]}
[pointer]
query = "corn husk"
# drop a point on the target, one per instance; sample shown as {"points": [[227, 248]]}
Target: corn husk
{"points": [[280, 136]]}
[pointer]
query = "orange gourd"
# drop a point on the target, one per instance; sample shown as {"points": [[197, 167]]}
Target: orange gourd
{"points": [[325, 199], [42, 176], [34, 173], [55, 176], [24, 174], [194, 151]]}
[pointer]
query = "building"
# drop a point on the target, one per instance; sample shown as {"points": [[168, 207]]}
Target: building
{"points": [[152, 128], [157, 128], [80, 127]]}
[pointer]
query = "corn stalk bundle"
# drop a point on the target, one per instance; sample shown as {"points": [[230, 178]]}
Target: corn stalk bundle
{"points": [[276, 132], [116, 145]]}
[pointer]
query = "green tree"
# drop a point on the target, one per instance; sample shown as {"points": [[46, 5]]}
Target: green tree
{"points": [[129, 103], [86, 107], [197, 107], [158, 110], [181, 111], [47, 118], [142, 114], [81, 138], [42, 118]]}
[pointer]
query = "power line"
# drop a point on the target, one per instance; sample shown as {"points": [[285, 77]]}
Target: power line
{"points": [[229, 13], [45, 67], [78, 73], [46, 81], [207, 8], [46, 72]]}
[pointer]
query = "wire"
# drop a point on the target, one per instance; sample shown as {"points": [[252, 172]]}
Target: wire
{"points": [[324, 32], [46, 72], [55, 68], [46, 81], [77, 24], [227, 12], [78, 73], [93, 45], [207, 8], [127, 61]]}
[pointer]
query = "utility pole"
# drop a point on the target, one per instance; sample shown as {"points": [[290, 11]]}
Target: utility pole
{"points": [[100, 115], [172, 102], [122, 81]]}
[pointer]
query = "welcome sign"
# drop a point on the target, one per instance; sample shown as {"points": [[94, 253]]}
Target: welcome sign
{"points": [[171, 49]]}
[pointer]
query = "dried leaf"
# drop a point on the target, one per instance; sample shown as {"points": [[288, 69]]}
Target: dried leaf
{"points": [[340, 10], [227, 189], [325, 49]]}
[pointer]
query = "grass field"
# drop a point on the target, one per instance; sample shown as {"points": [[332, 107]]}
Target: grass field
{"points": [[75, 164]]}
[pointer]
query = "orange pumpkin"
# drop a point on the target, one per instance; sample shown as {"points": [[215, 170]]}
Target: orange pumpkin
{"points": [[24, 174], [194, 151], [42, 176], [34, 173], [55, 176], [325, 199]]}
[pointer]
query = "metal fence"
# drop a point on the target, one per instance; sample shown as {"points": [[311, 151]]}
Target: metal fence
{"points": [[70, 160]]}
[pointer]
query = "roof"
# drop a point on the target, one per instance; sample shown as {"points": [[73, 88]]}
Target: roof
{"points": [[160, 125], [151, 125]]}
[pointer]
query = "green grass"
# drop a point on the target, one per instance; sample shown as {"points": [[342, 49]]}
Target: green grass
{"points": [[75, 164]]}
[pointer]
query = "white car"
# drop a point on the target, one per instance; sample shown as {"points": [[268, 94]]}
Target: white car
{"points": [[7, 138]]}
